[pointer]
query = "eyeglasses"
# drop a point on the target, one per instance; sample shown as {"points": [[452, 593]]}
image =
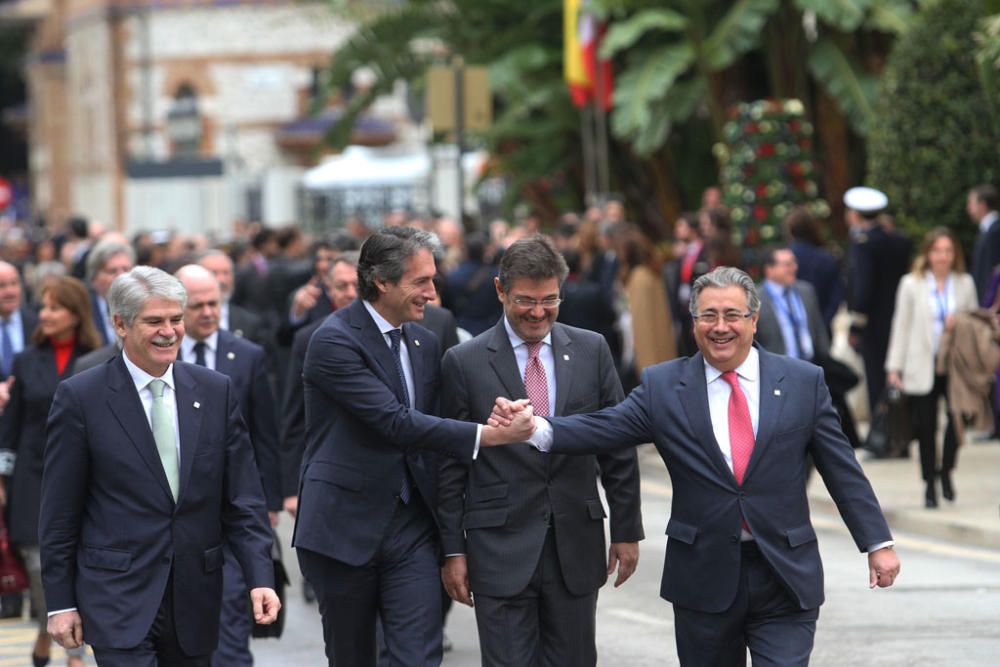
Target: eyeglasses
{"points": [[548, 303], [711, 317]]}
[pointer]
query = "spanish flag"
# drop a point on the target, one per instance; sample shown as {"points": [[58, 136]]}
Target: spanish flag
{"points": [[582, 36]]}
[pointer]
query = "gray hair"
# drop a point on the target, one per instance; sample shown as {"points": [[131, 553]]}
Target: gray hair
{"points": [[385, 254], [104, 251], [722, 277], [131, 290]]}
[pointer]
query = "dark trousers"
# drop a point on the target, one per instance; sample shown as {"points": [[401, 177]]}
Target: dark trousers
{"points": [[401, 585], [763, 618], [543, 626], [236, 624], [925, 419], [160, 647]]}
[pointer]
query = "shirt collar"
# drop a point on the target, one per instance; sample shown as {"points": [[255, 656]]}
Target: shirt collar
{"points": [[15, 318], [749, 370], [384, 325], [142, 379], [211, 343], [987, 221], [774, 288], [516, 340]]}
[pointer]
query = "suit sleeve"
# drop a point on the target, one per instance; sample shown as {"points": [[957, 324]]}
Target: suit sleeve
{"points": [[264, 427], [63, 495], [452, 474], [617, 427], [11, 420], [842, 474], [293, 421], [619, 470], [336, 366], [244, 513], [902, 327]]}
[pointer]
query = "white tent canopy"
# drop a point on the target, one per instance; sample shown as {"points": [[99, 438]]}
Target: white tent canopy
{"points": [[358, 167]]}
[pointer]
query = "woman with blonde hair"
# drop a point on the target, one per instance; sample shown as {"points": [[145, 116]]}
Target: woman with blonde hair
{"points": [[926, 302], [65, 331]]}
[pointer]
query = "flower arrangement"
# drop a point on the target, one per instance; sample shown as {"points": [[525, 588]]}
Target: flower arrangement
{"points": [[767, 168]]}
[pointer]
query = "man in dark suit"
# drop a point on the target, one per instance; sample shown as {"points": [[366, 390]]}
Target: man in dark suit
{"points": [[522, 531], [148, 472], [232, 317], [365, 533], [877, 258], [981, 206], [817, 266], [244, 362], [107, 260], [734, 425]]}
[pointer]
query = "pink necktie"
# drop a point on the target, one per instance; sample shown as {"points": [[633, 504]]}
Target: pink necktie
{"points": [[740, 426], [534, 380]]}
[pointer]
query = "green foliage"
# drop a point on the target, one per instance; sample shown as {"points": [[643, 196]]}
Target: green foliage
{"points": [[936, 132], [853, 89], [845, 15], [738, 32], [626, 33]]}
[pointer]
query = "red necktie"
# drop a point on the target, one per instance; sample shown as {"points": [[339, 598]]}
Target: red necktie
{"points": [[740, 427], [535, 383]]}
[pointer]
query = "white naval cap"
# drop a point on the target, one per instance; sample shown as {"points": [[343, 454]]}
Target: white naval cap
{"points": [[865, 200]]}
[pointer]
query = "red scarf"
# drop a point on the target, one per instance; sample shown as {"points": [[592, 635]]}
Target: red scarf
{"points": [[63, 350]]}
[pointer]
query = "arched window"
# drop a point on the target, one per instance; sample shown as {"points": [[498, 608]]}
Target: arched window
{"points": [[184, 123]]}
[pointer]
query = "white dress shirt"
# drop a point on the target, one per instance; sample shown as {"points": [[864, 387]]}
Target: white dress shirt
{"points": [[987, 221], [15, 331], [211, 349], [224, 316], [106, 322]]}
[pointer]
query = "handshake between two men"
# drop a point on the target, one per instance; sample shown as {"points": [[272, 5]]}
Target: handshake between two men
{"points": [[510, 422]]}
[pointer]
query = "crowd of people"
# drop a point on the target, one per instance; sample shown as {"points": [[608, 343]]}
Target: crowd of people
{"points": [[324, 409]]}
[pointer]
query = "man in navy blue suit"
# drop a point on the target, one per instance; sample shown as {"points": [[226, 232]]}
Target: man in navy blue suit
{"points": [[365, 533], [246, 365], [148, 472], [735, 425]]}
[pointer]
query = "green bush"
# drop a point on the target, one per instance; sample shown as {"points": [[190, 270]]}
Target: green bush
{"points": [[936, 131]]}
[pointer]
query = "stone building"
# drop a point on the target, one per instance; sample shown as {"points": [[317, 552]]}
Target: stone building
{"points": [[155, 114]]}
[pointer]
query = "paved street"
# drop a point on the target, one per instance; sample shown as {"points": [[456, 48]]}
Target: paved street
{"points": [[942, 611]]}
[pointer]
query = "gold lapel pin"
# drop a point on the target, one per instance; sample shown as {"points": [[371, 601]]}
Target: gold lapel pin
{"points": [[197, 405], [230, 356]]}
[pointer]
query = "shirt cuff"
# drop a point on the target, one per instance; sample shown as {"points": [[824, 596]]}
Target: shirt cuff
{"points": [[541, 439], [454, 555], [880, 545], [479, 436], [61, 611]]}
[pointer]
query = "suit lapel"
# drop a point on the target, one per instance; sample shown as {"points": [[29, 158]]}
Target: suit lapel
{"points": [[127, 408], [411, 337], [772, 400], [504, 363], [373, 342], [223, 364], [692, 393], [187, 398], [562, 355]]}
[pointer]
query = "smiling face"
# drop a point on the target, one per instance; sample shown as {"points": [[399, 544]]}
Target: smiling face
{"points": [[343, 284], [724, 344], [154, 337], [57, 321], [533, 322], [404, 301], [941, 256]]}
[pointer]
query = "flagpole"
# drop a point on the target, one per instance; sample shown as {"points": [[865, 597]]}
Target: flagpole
{"points": [[589, 163]]}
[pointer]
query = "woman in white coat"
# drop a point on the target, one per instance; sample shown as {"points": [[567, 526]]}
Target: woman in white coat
{"points": [[926, 302]]}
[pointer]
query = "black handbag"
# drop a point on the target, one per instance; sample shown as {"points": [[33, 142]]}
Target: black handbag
{"points": [[275, 629], [890, 431], [13, 576]]}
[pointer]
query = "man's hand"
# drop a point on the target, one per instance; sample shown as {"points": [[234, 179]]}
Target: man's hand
{"points": [[5, 388], [504, 410], [521, 427], [67, 629], [455, 577], [291, 505], [883, 568], [265, 605], [273, 517], [305, 298], [626, 556]]}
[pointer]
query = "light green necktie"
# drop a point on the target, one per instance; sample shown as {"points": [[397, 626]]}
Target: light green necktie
{"points": [[163, 433]]}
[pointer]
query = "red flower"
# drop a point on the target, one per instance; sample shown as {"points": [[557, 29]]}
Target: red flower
{"points": [[793, 126], [761, 190], [766, 150], [760, 212], [795, 168], [750, 128], [753, 235]]}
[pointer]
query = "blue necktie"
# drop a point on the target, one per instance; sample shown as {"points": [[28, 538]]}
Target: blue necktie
{"points": [[394, 337], [796, 326], [199, 353], [6, 349]]}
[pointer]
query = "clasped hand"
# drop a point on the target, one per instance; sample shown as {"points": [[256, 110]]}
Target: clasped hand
{"points": [[510, 421]]}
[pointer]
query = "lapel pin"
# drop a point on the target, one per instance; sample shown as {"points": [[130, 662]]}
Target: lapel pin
{"points": [[777, 392], [416, 342], [565, 357], [197, 405]]}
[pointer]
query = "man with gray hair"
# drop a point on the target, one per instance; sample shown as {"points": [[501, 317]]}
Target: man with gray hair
{"points": [[735, 426], [148, 473], [106, 261]]}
